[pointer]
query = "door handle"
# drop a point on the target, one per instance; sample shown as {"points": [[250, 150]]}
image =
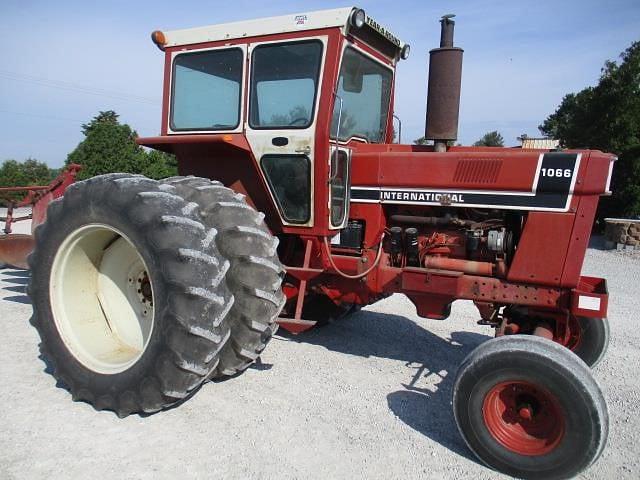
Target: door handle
{"points": [[306, 150]]}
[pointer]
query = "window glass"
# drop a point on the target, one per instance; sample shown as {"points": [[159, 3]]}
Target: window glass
{"points": [[289, 178], [206, 90], [339, 185], [365, 88], [284, 84]]}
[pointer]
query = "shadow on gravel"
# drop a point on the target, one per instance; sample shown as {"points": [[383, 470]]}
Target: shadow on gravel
{"points": [[18, 299], [16, 288], [19, 279], [424, 402], [15, 273], [16, 280], [597, 242]]}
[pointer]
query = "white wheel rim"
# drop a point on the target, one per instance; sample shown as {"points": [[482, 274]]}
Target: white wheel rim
{"points": [[102, 299]]}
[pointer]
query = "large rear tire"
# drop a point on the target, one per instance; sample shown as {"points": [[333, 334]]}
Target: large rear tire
{"points": [[255, 272], [128, 293], [529, 407]]}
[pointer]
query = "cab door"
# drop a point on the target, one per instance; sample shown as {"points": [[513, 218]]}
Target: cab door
{"points": [[283, 96]]}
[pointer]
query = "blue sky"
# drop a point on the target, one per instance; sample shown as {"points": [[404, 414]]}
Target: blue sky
{"points": [[521, 57]]}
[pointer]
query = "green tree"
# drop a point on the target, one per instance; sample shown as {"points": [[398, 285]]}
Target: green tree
{"points": [[490, 139], [110, 146], [421, 141], [160, 165], [22, 174], [108, 117], [607, 117], [625, 201]]}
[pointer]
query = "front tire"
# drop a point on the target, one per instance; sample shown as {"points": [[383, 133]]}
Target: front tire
{"points": [[593, 339], [530, 408], [128, 293]]}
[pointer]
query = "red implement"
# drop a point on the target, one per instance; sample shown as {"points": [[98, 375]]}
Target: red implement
{"points": [[14, 248]]}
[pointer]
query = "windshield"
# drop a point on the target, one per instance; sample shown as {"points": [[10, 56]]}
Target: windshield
{"points": [[206, 90], [284, 84], [364, 86]]}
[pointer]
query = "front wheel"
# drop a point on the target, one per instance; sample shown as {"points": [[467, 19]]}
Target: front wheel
{"points": [[530, 408], [593, 339]]}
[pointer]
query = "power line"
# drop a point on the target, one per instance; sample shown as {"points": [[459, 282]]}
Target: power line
{"points": [[77, 88], [51, 117]]}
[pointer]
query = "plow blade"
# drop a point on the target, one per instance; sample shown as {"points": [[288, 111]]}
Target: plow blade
{"points": [[14, 250]]}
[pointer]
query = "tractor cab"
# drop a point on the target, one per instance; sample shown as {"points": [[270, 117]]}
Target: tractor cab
{"points": [[275, 108]]}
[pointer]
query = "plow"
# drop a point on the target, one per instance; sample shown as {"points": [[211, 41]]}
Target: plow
{"points": [[15, 247], [295, 207]]}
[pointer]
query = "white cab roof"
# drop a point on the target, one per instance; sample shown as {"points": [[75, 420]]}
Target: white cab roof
{"points": [[337, 17]]}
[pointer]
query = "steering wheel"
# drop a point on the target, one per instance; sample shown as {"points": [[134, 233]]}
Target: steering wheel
{"points": [[299, 119]]}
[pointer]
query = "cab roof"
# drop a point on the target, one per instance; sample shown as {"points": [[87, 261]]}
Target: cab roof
{"points": [[337, 17]]}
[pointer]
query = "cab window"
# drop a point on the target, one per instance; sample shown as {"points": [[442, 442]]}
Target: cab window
{"points": [[206, 90], [284, 82], [364, 86], [289, 178]]}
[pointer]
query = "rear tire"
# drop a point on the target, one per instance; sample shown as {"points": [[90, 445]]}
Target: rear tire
{"points": [[530, 408], [255, 272], [131, 256]]}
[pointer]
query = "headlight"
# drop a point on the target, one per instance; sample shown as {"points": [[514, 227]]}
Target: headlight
{"points": [[404, 53], [357, 18]]}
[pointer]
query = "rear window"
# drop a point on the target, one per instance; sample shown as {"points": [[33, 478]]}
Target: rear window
{"points": [[206, 90]]}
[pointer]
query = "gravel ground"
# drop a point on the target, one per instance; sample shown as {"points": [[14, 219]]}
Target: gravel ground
{"points": [[368, 397]]}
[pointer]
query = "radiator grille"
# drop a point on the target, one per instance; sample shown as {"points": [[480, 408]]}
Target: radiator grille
{"points": [[477, 171]]}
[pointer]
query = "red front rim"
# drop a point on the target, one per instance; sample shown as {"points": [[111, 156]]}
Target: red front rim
{"points": [[523, 418]]}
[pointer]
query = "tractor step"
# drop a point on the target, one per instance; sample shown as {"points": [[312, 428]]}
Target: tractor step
{"points": [[294, 325]]}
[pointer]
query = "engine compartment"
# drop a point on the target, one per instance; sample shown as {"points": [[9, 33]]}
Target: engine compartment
{"points": [[474, 241]]}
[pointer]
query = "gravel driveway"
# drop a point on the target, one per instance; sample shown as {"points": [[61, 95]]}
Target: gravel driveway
{"points": [[368, 397]]}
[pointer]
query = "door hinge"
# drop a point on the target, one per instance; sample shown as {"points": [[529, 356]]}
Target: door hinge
{"points": [[306, 150]]}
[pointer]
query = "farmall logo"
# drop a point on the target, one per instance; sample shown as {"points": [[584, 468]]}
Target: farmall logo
{"points": [[300, 20], [426, 197]]}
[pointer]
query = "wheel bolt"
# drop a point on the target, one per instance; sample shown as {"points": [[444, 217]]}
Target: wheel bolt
{"points": [[525, 412]]}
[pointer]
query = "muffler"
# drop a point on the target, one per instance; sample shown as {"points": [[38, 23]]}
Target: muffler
{"points": [[443, 97]]}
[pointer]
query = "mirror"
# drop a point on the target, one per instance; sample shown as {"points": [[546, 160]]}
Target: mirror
{"points": [[352, 81]]}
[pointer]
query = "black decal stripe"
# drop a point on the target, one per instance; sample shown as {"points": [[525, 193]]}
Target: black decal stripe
{"points": [[552, 192], [360, 194]]}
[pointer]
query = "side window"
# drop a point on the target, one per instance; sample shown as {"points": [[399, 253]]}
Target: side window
{"points": [[284, 82], [364, 86], [339, 186], [289, 178], [206, 90]]}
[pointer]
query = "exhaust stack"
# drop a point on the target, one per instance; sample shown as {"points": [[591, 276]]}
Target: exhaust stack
{"points": [[443, 97]]}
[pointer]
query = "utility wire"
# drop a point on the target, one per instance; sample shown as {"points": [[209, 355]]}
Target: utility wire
{"points": [[51, 117], [76, 88]]}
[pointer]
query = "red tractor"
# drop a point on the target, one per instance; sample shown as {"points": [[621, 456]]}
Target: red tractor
{"points": [[296, 206]]}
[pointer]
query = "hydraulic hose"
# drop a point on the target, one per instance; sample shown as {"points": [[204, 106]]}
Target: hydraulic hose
{"points": [[359, 275]]}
